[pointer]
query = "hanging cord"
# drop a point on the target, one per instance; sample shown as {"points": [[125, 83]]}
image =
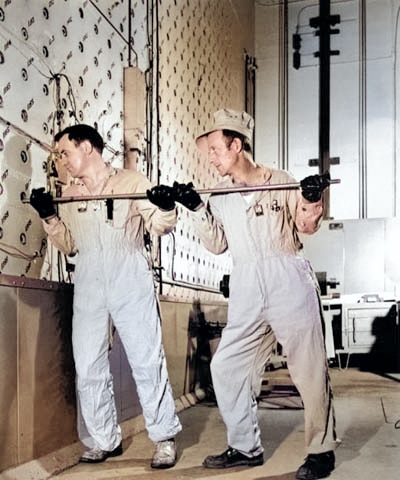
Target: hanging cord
{"points": [[128, 42]]}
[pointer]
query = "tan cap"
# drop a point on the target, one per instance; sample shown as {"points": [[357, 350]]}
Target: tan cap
{"points": [[227, 119]]}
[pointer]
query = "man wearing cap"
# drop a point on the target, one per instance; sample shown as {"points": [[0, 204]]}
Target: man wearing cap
{"points": [[273, 294]]}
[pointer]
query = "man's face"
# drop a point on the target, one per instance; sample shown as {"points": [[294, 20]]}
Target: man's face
{"points": [[219, 155], [71, 156]]}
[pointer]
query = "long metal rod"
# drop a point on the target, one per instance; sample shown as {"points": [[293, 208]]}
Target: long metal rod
{"points": [[204, 191]]}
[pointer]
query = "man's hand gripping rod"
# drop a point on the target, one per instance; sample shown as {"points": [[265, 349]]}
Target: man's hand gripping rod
{"points": [[204, 191]]}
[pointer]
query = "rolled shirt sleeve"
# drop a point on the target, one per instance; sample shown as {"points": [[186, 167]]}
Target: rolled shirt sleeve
{"points": [[210, 230]]}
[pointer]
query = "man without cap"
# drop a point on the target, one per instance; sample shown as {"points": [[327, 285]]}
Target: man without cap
{"points": [[273, 294], [112, 279]]}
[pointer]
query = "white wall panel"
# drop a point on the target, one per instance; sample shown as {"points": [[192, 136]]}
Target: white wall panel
{"points": [[364, 131], [361, 254], [60, 63]]}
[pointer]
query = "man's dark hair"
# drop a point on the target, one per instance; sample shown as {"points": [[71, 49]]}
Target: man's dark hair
{"points": [[231, 134], [79, 133]]}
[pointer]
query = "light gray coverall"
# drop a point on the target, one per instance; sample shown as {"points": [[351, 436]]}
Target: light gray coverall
{"points": [[113, 278], [273, 294]]}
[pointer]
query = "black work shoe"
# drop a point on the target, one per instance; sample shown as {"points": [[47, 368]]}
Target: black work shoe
{"points": [[232, 458], [97, 455], [317, 465]]}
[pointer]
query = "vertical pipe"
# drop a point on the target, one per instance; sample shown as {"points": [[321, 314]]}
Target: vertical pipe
{"points": [[150, 90], [153, 146], [129, 33], [362, 114], [246, 86], [157, 127], [283, 82], [250, 87], [253, 78], [324, 94], [395, 110]]}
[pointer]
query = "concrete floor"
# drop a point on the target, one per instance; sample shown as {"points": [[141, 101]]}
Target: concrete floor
{"points": [[367, 407]]}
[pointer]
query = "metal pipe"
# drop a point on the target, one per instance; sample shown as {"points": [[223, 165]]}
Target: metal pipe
{"points": [[362, 117], [214, 191], [324, 92], [283, 106], [191, 286], [22, 132]]}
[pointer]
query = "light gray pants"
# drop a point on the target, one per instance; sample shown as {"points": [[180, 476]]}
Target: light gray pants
{"points": [[123, 289], [272, 298]]}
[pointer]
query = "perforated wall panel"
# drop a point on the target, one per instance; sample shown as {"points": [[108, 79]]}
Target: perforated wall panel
{"points": [[202, 47], [62, 62]]}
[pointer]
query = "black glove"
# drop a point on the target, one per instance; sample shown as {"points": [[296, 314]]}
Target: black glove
{"points": [[162, 196], [313, 186], [42, 202], [187, 195]]}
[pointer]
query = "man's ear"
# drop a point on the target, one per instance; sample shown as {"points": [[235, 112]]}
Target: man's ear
{"points": [[87, 147], [237, 144]]}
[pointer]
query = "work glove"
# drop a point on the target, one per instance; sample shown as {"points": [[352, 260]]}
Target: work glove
{"points": [[313, 186], [162, 196], [186, 195], [42, 202]]}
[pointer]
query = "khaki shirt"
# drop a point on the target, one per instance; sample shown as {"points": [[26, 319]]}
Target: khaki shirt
{"points": [[84, 227], [266, 225]]}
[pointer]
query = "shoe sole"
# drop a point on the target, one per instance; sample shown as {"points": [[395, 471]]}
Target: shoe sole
{"points": [[313, 477], [114, 453], [163, 466], [241, 463]]}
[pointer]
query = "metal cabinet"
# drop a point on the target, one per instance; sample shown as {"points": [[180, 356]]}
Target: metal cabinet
{"points": [[368, 325], [368, 328]]}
